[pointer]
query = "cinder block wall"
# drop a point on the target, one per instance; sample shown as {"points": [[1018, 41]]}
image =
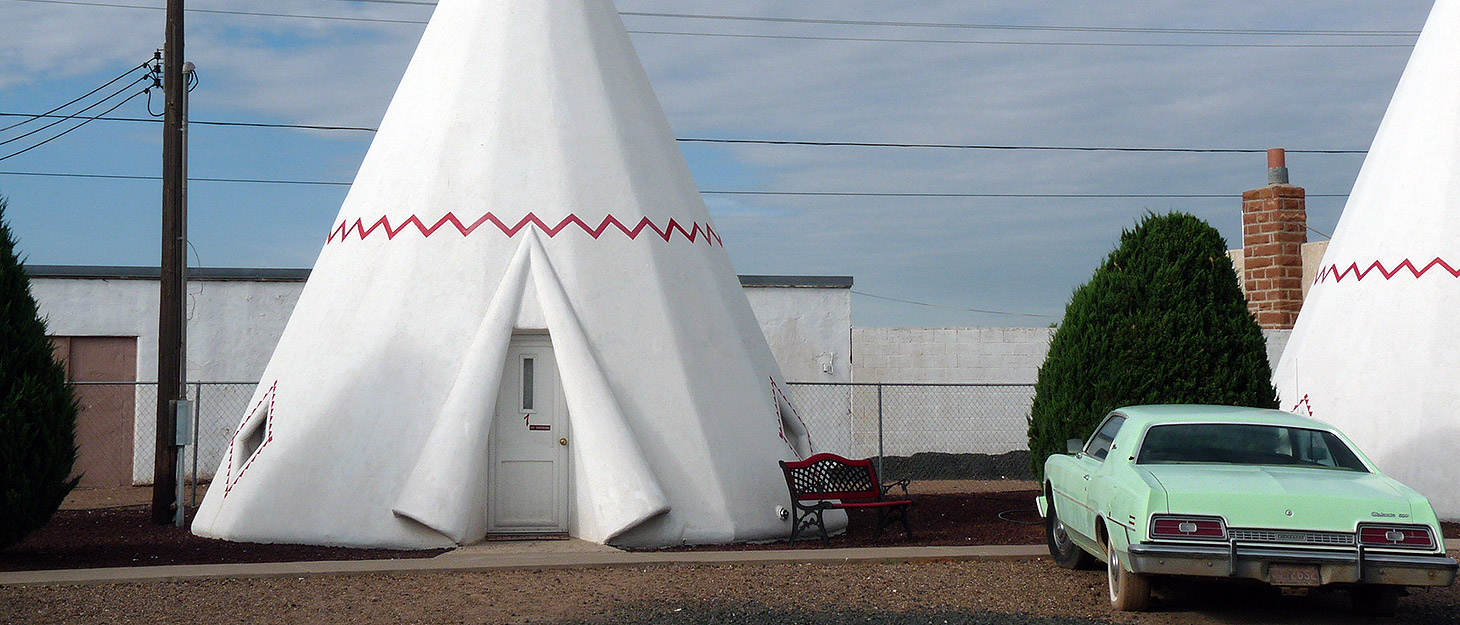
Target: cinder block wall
{"points": [[949, 355], [967, 355]]}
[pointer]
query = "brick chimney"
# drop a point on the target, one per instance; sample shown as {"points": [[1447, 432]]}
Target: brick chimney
{"points": [[1274, 229]]}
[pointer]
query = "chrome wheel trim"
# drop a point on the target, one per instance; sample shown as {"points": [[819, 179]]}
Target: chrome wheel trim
{"points": [[1060, 535], [1113, 571]]}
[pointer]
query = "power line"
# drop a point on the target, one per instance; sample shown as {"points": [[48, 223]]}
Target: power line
{"points": [[922, 194], [812, 37], [1032, 27], [976, 146], [68, 130], [969, 26], [877, 194], [1073, 44], [795, 142], [190, 178], [337, 18], [199, 122], [63, 118], [31, 118]]}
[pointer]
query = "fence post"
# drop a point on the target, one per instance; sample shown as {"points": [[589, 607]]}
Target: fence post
{"points": [[197, 410], [879, 432]]}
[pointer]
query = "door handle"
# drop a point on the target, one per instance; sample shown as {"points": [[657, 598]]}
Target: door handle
{"points": [[564, 442]]}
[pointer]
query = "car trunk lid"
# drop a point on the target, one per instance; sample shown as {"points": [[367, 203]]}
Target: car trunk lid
{"points": [[1281, 497]]}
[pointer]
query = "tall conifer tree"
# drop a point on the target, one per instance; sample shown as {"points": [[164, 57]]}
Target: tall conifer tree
{"points": [[37, 409], [1162, 321]]}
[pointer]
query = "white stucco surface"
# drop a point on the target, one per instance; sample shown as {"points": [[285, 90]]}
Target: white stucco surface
{"points": [[809, 330]]}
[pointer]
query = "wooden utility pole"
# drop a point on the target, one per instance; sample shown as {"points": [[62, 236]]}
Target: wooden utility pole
{"points": [[171, 347]]}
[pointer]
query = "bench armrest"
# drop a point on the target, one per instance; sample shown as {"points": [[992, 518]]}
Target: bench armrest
{"points": [[888, 486]]}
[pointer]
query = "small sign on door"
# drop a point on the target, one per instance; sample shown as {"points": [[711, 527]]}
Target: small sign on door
{"points": [[538, 428]]}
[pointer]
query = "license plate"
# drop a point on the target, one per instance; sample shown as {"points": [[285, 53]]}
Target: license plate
{"points": [[1294, 575]]}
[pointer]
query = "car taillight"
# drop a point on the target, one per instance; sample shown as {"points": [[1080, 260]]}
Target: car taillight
{"points": [[1403, 536], [1210, 528]]}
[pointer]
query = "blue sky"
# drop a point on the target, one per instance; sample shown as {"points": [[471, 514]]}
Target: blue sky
{"points": [[1016, 87]]}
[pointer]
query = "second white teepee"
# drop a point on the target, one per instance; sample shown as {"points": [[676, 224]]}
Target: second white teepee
{"points": [[523, 321], [1376, 350]]}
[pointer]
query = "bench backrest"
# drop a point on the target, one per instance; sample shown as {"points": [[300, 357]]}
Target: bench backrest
{"points": [[829, 476]]}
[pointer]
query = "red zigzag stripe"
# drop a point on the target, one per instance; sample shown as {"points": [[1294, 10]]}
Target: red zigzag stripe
{"points": [[696, 233], [1353, 271]]}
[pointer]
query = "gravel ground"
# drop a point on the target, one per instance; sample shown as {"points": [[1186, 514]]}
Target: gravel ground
{"points": [[1035, 592], [1025, 592]]}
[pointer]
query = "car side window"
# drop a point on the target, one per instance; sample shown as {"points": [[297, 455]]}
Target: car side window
{"points": [[1099, 445]]}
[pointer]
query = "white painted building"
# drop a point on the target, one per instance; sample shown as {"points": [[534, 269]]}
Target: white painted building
{"points": [[235, 317]]}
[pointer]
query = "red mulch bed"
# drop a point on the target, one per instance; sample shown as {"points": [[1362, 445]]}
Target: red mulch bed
{"points": [[1007, 518], [109, 537]]}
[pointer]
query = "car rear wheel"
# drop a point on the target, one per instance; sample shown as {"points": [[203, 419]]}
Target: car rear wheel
{"points": [[1374, 600], [1129, 592], [1062, 549]]}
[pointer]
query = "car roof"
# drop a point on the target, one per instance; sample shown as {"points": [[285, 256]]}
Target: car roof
{"points": [[1199, 413]]}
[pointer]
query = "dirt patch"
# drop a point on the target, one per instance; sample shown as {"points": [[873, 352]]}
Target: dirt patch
{"points": [[93, 498]]}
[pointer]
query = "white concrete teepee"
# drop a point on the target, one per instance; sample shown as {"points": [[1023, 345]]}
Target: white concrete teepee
{"points": [[1376, 348], [522, 322]]}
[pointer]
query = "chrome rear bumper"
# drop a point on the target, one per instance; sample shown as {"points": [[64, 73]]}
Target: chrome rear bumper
{"points": [[1252, 562]]}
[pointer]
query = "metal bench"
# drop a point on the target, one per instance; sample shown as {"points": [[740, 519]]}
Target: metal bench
{"points": [[816, 481]]}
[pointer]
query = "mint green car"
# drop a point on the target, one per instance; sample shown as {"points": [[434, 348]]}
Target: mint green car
{"points": [[1237, 493]]}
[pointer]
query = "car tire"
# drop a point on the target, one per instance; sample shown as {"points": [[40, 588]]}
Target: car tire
{"points": [[1062, 548], [1374, 600], [1129, 592]]}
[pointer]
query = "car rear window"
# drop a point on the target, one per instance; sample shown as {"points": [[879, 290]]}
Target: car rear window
{"points": [[1232, 443]]}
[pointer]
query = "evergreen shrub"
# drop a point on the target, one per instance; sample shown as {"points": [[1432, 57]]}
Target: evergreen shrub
{"points": [[37, 408], [1162, 321]]}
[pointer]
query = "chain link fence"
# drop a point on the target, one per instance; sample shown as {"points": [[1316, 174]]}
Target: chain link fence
{"points": [[922, 431], [916, 431], [117, 429]]}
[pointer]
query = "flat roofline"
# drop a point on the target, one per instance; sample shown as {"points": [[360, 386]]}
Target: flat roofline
{"points": [[98, 272], [820, 282]]}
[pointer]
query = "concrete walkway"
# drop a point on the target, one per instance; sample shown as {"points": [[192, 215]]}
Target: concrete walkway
{"points": [[516, 555], [531, 555]]}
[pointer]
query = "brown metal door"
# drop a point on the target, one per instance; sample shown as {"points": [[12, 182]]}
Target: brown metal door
{"points": [[104, 427]]}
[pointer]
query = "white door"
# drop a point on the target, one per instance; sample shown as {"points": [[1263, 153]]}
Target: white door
{"points": [[528, 447]]}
